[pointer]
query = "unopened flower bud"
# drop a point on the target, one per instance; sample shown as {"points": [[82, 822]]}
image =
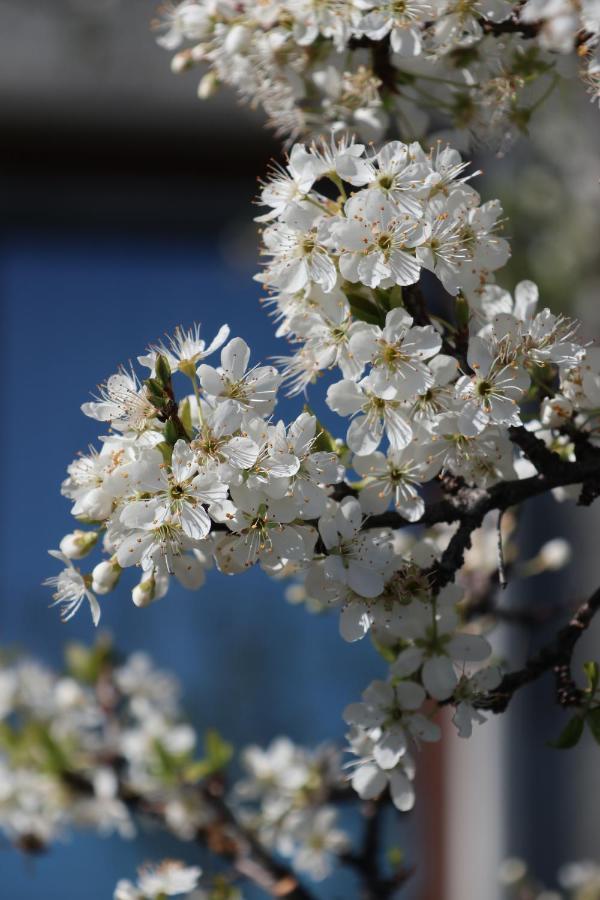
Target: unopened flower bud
{"points": [[555, 554], [95, 504], [78, 544], [181, 62], [149, 589], [237, 37], [208, 86], [105, 576]]}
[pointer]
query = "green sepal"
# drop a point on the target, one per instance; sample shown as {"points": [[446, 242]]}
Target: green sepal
{"points": [[185, 417], [156, 393], [166, 451], [570, 735], [163, 370]]}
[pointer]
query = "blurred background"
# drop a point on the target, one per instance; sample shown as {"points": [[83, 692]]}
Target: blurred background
{"points": [[126, 210]]}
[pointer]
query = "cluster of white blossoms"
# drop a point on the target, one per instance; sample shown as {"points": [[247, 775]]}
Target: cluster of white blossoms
{"points": [[375, 67], [283, 797], [332, 262], [77, 724], [168, 879], [211, 478], [95, 746]]}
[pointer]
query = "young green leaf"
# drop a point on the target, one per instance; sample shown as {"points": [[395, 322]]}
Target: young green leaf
{"points": [[570, 734], [592, 673]]}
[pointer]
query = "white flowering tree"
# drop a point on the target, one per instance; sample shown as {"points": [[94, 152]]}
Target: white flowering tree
{"points": [[458, 401]]}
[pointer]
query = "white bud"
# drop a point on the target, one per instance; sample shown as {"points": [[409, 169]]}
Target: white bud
{"points": [[555, 554], [208, 86], [197, 54], [78, 544], [181, 62], [151, 588], [143, 593], [105, 576], [95, 504], [237, 37]]}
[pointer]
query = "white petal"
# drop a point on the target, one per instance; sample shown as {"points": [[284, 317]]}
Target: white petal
{"points": [[369, 781], [439, 677], [234, 358]]}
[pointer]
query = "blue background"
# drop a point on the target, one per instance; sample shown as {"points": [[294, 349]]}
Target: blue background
{"points": [[75, 307]]}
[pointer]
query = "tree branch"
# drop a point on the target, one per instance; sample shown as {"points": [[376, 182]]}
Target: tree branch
{"points": [[248, 855], [555, 657], [366, 863], [470, 505], [225, 836]]}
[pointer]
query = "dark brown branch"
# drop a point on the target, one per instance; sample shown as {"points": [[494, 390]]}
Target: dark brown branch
{"points": [[225, 836], [555, 657], [512, 25], [470, 505], [366, 863], [248, 855], [502, 496]]}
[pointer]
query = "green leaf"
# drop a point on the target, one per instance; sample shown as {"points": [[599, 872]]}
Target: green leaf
{"points": [[56, 758], [395, 298], [592, 673], [570, 734], [218, 750], [8, 738], [593, 720], [86, 663], [364, 309], [168, 766]]}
